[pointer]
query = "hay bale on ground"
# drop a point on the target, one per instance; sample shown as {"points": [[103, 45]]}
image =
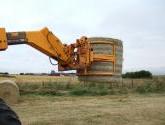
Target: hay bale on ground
{"points": [[9, 91]]}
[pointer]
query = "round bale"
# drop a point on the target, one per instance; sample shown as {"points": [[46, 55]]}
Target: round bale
{"points": [[9, 91], [99, 47]]}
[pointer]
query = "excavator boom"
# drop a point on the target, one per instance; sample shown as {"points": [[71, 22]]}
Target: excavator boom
{"points": [[69, 57], [42, 40]]}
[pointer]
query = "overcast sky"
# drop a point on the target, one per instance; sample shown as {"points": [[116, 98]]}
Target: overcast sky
{"points": [[140, 24]]}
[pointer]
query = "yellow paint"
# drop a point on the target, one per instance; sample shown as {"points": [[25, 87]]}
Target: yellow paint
{"points": [[68, 59], [3, 39]]}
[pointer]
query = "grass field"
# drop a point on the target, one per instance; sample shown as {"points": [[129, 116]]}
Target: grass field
{"points": [[52, 100], [39, 79], [133, 109]]}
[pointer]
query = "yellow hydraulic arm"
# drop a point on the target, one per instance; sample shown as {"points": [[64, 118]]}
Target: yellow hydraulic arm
{"points": [[46, 42], [43, 41], [77, 56]]}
